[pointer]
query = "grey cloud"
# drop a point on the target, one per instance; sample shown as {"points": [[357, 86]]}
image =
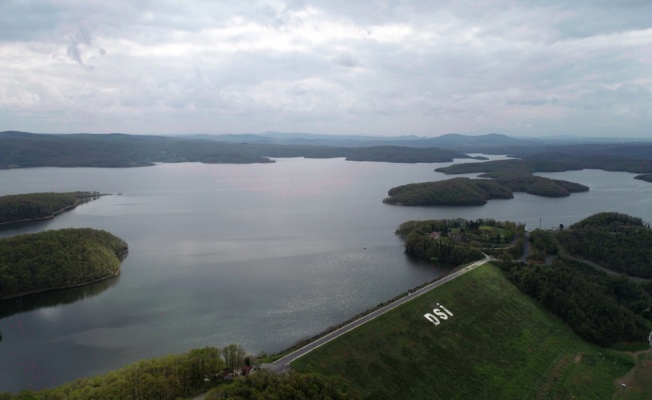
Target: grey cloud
{"points": [[345, 60], [499, 65]]}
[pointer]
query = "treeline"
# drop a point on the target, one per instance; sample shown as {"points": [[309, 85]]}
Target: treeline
{"points": [[452, 192], [297, 386], [168, 377], [21, 207], [63, 258], [190, 374], [21, 149], [616, 241], [455, 241], [602, 309]]}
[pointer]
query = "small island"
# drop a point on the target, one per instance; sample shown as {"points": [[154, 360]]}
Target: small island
{"points": [[37, 206], [57, 259]]}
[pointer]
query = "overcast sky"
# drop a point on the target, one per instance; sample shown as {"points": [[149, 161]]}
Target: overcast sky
{"points": [[522, 68]]}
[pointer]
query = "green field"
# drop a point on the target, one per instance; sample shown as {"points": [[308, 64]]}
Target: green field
{"points": [[498, 344]]}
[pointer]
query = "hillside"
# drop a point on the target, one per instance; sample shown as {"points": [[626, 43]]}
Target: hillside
{"points": [[22, 149], [498, 344], [616, 241]]}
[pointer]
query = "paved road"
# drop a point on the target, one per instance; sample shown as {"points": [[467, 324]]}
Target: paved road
{"points": [[282, 364]]}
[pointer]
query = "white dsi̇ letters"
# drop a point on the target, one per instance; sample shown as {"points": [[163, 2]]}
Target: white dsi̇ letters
{"points": [[437, 314]]}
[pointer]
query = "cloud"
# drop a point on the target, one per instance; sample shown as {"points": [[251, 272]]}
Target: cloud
{"points": [[379, 67]]}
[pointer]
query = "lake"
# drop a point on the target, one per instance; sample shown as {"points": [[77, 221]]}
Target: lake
{"points": [[260, 255]]}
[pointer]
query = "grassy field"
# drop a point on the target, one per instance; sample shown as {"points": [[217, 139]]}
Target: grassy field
{"points": [[497, 345]]}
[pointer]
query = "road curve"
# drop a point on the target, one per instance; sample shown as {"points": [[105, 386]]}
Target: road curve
{"points": [[282, 364]]}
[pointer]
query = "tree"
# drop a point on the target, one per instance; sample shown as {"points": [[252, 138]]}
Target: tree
{"points": [[234, 356]]}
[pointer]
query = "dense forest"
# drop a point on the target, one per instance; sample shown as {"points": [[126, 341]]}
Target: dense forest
{"points": [[456, 241], [21, 207], [543, 244], [602, 309], [20, 149], [57, 259], [616, 241]]}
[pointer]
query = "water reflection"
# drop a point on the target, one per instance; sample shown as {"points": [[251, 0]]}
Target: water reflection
{"points": [[54, 298]]}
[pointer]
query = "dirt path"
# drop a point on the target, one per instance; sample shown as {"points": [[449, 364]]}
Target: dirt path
{"points": [[630, 381]]}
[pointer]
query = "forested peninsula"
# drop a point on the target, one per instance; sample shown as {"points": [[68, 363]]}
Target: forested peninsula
{"points": [[458, 241], [57, 259], [35, 206]]}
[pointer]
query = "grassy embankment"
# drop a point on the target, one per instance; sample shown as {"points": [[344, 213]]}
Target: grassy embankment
{"points": [[499, 344]]}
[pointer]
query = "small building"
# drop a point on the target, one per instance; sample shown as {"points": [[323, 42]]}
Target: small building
{"points": [[245, 370]]}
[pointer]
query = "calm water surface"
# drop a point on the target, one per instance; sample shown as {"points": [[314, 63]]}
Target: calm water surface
{"points": [[259, 255]]}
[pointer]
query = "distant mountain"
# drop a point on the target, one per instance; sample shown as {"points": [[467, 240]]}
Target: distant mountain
{"points": [[22, 149], [451, 141]]}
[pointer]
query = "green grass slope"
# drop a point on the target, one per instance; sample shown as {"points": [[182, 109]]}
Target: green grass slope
{"points": [[499, 344]]}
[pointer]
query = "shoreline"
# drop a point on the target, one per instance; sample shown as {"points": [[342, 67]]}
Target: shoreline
{"points": [[55, 213]]}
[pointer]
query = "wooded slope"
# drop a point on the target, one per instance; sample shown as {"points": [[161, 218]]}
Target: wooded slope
{"points": [[57, 259]]}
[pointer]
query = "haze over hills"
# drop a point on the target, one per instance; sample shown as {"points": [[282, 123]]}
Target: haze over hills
{"points": [[448, 140], [22, 149]]}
